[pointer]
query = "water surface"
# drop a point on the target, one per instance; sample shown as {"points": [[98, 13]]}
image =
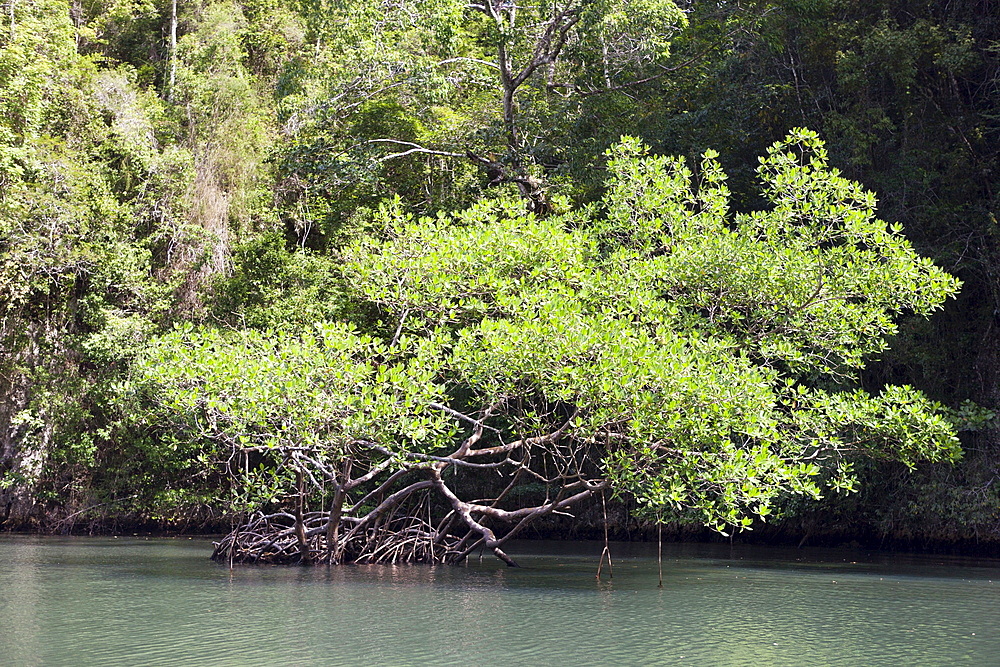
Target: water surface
{"points": [[85, 601]]}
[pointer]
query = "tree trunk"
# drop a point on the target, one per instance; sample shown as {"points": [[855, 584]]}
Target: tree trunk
{"points": [[173, 50]]}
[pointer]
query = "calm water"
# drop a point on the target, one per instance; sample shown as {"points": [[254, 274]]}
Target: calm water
{"points": [[132, 602]]}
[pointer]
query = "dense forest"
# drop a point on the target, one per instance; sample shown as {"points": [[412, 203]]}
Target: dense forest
{"points": [[394, 280]]}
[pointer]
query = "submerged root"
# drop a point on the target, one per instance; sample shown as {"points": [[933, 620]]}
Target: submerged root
{"points": [[273, 539], [419, 519]]}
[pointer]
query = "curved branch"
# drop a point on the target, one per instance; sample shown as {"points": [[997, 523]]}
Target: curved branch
{"points": [[440, 459], [462, 509], [414, 148], [538, 440]]}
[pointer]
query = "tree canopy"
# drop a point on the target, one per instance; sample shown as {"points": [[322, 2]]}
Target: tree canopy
{"points": [[652, 345]]}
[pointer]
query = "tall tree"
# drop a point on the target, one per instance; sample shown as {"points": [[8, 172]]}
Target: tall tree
{"points": [[491, 84]]}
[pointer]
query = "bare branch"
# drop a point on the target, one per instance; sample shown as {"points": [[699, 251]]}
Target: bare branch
{"points": [[538, 440], [463, 510], [466, 418], [442, 459], [414, 148], [448, 61]]}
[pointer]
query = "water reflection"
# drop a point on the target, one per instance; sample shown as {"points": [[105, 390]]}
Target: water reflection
{"points": [[127, 602]]}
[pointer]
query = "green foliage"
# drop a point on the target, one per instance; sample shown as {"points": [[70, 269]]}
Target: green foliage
{"points": [[434, 76], [327, 390], [622, 39], [127, 203], [271, 287], [84, 188], [704, 362]]}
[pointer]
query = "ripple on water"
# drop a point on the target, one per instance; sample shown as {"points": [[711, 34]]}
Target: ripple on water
{"points": [[130, 602]]}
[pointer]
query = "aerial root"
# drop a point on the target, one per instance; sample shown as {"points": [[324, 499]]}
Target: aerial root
{"points": [[272, 539]]}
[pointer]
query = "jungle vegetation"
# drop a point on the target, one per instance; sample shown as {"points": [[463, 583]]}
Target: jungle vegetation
{"points": [[368, 281]]}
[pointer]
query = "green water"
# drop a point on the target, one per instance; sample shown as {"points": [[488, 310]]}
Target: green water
{"points": [[161, 602]]}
